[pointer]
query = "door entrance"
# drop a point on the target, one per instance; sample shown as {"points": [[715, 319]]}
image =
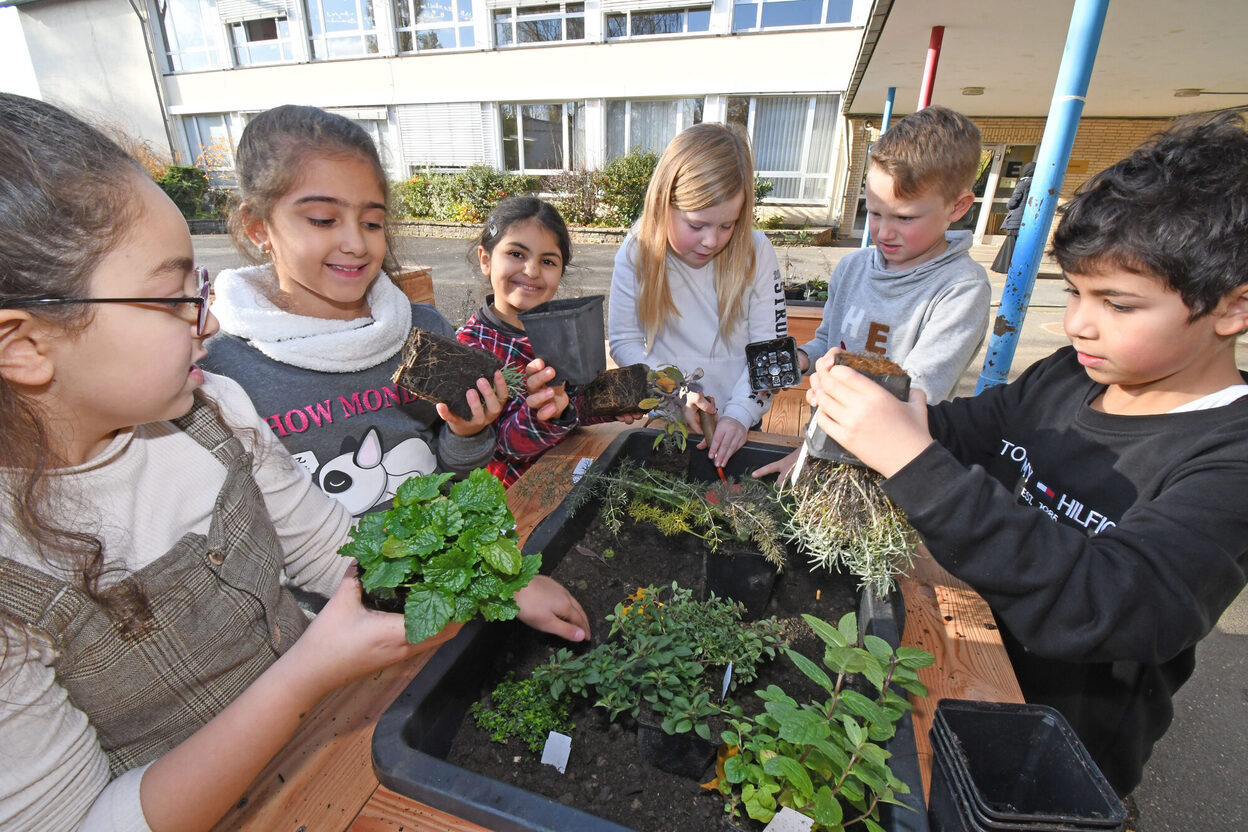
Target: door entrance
{"points": [[1000, 166]]}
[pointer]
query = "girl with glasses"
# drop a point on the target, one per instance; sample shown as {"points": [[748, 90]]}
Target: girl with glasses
{"points": [[151, 662]]}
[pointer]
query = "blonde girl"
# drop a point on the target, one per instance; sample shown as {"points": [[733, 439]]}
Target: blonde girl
{"points": [[694, 283], [151, 662]]}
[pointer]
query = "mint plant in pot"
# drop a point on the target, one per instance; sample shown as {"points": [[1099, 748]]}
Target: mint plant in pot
{"points": [[442, 555]]}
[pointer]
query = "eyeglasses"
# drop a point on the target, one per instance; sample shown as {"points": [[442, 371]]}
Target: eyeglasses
{"points": [[200, 299]]}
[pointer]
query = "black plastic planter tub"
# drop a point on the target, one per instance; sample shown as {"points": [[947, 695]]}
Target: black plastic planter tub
{"points": [[1015, 768], [569, 335], [414, 735]]}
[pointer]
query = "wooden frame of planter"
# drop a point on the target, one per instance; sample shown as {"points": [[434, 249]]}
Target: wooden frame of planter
{"points": [[414, 735]]}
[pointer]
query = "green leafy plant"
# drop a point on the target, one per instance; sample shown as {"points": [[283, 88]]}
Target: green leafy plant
{"points": [[669, 390], [747, 510], [664, 659], [186, 185], [820, 757], [622, 185], [448, 554], [466, 196], [524, 709], [576, 195]]}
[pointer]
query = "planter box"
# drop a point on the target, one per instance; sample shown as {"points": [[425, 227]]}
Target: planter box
{"points": [[414, 735]]}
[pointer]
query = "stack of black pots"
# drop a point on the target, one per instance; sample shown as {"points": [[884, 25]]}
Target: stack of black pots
{"points": [[1015, 768]]}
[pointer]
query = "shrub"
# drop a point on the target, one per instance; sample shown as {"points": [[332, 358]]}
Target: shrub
{"points": [[576, 195], [186, 186], [412, 197], [623, 185]]}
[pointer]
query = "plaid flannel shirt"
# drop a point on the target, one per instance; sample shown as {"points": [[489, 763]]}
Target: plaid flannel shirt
{"points": [[522, 437]]}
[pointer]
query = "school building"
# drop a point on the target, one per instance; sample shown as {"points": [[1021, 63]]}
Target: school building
{"points": [[540, 87]]}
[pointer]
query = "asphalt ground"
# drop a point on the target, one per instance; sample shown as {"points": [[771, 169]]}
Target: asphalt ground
{"points": [[1193, 779]]}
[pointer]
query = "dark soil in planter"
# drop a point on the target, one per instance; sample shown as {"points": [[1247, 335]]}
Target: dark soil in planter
{"points": [[605, 774], [440, 369], [616, 392]]}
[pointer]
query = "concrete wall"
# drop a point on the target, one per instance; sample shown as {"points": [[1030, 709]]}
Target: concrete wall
{"points": [[812, 61], [90, 58], [18, 75]]}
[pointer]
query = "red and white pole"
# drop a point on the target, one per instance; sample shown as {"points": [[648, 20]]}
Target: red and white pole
{"points": [[929, 68]]}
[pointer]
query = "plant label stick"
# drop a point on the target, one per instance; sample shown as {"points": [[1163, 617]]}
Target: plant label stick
{"points": [[558, 747], [787, 820]]}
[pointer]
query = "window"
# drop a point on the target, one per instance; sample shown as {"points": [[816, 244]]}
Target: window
{"points": [[445, 136], [192, 33], [793, 138], [341, 28], [421, 25], [211, 144], [539, 24], [772, 14], [648, 125], [631, 23], [543, 138], [264, 41]]}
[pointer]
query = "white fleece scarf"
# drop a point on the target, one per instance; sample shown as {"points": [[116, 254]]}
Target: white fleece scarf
{"points": [[324, 344]]}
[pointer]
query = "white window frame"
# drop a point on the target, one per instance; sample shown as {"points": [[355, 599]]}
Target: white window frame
{"points": [[322, 40], [218, 54], [456, 23], [758, 18], [628, 121], [197, 142], [628, 22], [565, 108], [240, 52], [563, 15], [808, 131]]}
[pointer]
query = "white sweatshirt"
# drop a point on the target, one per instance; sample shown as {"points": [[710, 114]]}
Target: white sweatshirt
{"points": [[693, 339]]}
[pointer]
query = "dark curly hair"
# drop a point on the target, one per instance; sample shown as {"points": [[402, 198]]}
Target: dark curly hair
{"points": [[1176, 209]]}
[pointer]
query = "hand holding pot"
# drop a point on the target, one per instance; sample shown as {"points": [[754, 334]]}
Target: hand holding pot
{"points": [[546, 605], [549, 400], [347, 641], [486, 403], [867, 420]]}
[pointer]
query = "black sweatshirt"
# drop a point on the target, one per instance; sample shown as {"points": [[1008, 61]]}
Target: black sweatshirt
{"points": [[1107, 546]]}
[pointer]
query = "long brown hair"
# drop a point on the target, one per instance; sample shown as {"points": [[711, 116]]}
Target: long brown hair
{"points": [[705, 165], [67, 198]]}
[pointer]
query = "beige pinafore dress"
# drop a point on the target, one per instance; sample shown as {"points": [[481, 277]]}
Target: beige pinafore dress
{"points": [[219, 618]]}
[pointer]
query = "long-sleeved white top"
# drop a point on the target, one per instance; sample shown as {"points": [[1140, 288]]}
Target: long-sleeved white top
{"points": [[694, 339]]}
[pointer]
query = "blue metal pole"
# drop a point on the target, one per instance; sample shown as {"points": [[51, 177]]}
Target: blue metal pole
{"points": [[888, 116], [1069, 95]]}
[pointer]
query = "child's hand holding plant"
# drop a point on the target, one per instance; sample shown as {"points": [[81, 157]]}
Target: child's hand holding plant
{"points": [[866, 419], [486, 403], [550, 401]]}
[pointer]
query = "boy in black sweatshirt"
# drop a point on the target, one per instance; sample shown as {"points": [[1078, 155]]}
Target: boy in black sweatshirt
{"points": [[1099, 503]]}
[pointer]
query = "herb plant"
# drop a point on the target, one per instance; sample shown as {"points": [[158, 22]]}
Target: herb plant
{"points": [[669, 390], [523, 709], [665, 657], [819, 757], [451, 553], [744, 511]]}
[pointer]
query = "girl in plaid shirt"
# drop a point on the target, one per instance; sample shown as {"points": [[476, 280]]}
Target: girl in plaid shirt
{"points": [[523, 249]]}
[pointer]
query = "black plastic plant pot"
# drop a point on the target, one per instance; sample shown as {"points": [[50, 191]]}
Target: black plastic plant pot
{"points": [[773, 364], [822, 446], [745, 577], [414, 736], [569, 335], [685, 755], [1005, 766]]}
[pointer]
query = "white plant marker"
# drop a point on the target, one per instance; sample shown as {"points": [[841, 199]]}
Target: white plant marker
{"points": [[555, 753], [582, 466], [787, 820], [727, 681]]}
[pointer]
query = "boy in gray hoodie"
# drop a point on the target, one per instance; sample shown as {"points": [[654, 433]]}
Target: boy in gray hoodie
{"points": [[916, 296]]}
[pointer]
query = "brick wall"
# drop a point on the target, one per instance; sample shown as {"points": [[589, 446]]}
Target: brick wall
{"points": [[1099, 142]]}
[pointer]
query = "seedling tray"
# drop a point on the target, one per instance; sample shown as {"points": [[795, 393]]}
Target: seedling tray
{"points": [[414, 736], [773, 364]]}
